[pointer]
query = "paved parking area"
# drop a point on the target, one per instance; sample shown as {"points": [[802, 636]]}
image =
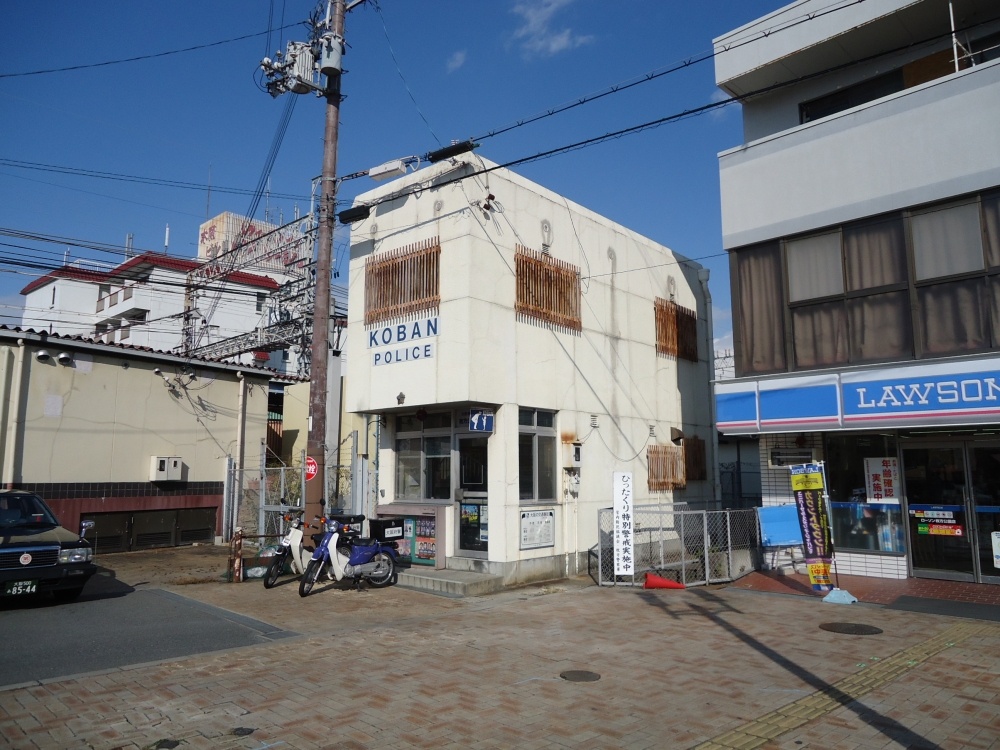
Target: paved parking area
{"points": [[711, 668]]}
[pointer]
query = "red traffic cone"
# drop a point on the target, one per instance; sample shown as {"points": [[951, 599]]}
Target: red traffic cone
{"points": [[654, 581]]}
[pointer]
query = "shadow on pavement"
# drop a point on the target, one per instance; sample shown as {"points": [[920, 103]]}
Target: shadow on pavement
{"points": [[712, 608]]}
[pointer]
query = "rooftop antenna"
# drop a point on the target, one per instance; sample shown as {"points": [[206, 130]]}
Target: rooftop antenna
{"points": [[166, 241], [129, 252]]}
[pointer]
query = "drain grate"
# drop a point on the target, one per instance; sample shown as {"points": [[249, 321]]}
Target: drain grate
{"points": [[580, 675], [850, 628]]}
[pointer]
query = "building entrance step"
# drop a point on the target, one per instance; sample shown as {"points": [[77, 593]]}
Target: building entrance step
{"points": [[455, 583]]}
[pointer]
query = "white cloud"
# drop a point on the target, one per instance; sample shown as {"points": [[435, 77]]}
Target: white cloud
{"points": [[456, 61], [536, 35]]}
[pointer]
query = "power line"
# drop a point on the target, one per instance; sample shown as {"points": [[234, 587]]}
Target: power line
{"points": [[685, 114], [659, 73], [141, 57], [160, 181]]}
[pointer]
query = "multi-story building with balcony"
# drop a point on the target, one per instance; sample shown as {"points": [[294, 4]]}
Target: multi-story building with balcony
{"points": [[143, 301], [862, 219]]}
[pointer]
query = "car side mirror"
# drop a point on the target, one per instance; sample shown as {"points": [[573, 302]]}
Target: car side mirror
{"points": [[85, 526]]}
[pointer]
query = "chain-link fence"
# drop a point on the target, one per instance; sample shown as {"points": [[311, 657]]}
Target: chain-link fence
{"points": [[692, 547]]}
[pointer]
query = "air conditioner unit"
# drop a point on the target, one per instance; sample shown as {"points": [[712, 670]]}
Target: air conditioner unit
{"points": [[165, 468]]}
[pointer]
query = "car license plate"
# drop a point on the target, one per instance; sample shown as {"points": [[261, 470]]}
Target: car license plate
{"points": [[14, 588]]}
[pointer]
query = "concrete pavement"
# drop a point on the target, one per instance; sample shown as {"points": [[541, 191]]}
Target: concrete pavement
{"points": [[712, 668]]}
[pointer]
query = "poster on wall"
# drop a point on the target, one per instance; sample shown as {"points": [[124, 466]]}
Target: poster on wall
{"points": [[882, 480], [538, 529], [623, 532], [817, 542]]}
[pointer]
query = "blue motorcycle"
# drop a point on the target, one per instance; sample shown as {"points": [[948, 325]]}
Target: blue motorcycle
{"points": [[342, 553]]}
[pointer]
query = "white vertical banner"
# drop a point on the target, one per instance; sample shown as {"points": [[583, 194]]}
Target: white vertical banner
{"points": [[882, 480], [624, 527]]}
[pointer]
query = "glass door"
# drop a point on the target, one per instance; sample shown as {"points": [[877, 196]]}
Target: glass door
{"points": [[473, 511], [984, 470], [936, 487]]}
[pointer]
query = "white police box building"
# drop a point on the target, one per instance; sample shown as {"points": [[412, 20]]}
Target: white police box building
{"points": [[513, 350]]}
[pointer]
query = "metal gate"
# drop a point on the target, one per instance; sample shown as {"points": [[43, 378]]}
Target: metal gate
{"points": [[692, 547]]}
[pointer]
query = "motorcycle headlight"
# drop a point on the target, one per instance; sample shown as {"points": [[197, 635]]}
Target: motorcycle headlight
{"points": [[77, 555]]}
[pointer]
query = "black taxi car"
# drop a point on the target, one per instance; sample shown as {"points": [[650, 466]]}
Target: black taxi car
{"points": [[37, 555]]}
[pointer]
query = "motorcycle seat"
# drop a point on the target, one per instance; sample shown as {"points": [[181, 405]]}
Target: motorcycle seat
{"points": [[347, 520]]}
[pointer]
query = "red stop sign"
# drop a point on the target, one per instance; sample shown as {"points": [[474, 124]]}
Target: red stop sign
{"points": [[311, 467]]}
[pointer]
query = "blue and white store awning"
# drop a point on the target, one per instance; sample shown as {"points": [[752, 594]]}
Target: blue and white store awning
{"points": [[904, 395]]}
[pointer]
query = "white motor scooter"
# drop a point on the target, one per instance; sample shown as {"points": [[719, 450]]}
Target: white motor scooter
{"points": [[291, 549]]}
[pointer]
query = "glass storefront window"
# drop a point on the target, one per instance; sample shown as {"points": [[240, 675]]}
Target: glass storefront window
{"points": [[860, 523], [868, 527]]}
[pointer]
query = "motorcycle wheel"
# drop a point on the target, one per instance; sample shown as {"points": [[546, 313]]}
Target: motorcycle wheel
{"points": [[274, 570], [386, 573], [309, 577]]}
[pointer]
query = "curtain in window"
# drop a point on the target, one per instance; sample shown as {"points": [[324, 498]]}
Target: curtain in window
{"points": [[875, 253], [947, 240], [814, 267], [760, 302], [819, 334], [952, 318], [880, 327], [991, 220]]}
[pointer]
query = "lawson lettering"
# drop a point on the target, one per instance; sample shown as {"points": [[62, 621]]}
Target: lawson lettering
{"points": [[405, 342], [928, 395]]}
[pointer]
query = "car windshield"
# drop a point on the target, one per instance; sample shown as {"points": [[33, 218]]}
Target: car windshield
{"points": [[24, 510]]}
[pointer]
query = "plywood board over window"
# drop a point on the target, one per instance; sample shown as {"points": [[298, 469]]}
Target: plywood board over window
{"points": [[403, 282], [548, 289], [676, 330], [665, 468]]}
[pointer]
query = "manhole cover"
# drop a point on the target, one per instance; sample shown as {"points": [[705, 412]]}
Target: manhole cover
{"points": [[850, 628], [580, 675]]}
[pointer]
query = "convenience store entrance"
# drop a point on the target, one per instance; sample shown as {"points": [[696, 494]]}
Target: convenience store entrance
{"points": [[952, 495]]}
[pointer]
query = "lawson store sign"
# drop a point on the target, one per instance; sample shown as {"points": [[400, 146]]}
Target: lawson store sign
{"points": [[404, 342], [952, 393]]}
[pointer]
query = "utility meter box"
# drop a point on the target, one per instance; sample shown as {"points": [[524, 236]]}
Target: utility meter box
{"points": [[165, 468]]}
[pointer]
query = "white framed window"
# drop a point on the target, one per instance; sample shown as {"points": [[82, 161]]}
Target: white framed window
{"points": [[423, 456], [536, 455]]}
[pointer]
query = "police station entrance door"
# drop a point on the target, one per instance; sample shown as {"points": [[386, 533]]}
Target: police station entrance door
{"points": [[473, 510], [953, 510]]}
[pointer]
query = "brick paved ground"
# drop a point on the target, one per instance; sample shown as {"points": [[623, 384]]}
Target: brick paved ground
{"points": [[720, 668]]}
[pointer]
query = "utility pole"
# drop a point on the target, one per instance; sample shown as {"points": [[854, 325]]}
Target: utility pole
{"points": [[295, 73], [320, 350]]}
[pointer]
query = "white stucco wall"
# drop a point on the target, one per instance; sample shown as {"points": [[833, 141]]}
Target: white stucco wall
{"points": [[483, 355]]}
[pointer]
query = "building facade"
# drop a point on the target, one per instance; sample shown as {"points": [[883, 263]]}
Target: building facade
{"points": [[514, 351], [141, 442], [862, 219]]}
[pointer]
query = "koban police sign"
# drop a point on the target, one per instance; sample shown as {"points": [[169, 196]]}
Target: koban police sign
{"points": [[404, 342]]}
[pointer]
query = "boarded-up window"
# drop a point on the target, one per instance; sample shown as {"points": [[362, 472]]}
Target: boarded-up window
{"points": [[695, 465], [402, 282], [665, 467], [547, 289], [676, 330]]}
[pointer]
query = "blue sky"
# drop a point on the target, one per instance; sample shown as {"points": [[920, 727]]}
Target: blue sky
{"points": [[419, 74]]}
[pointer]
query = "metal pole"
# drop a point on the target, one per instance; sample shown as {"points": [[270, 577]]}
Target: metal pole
{"points": [[320, 349]]}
